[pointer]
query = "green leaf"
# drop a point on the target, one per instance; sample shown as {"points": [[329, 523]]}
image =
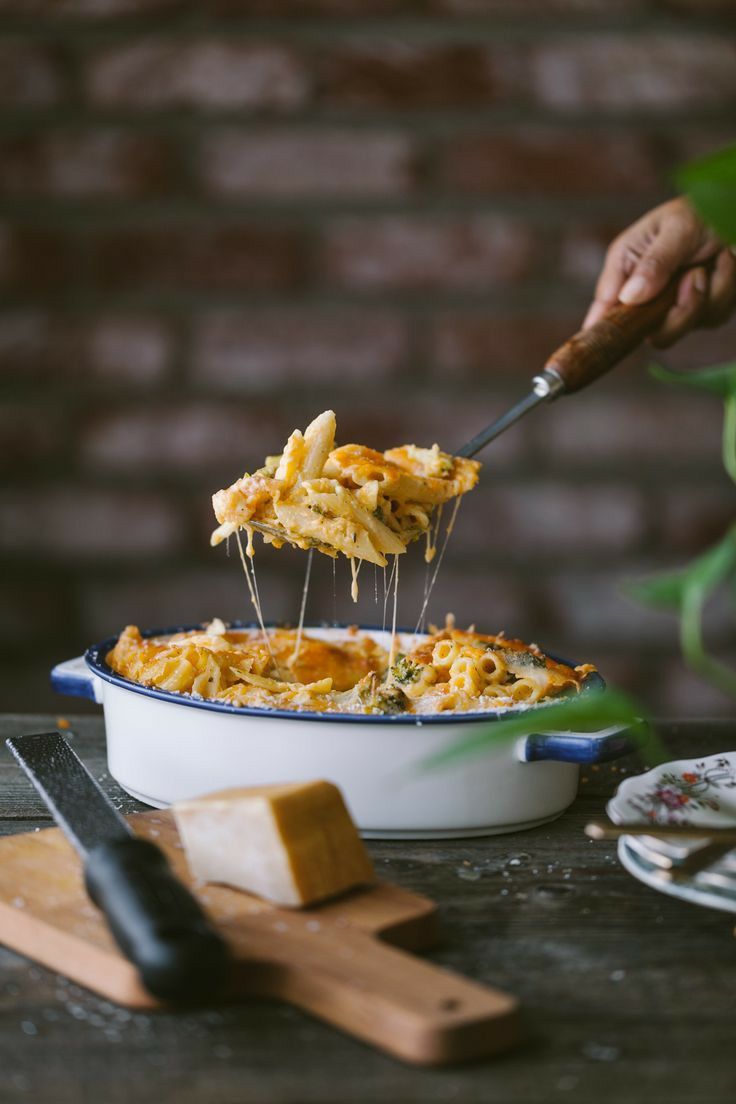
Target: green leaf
{"points": [[664, 591], [587, 712], [720, 380], [710, 184], [671, 589], [713, 566]]}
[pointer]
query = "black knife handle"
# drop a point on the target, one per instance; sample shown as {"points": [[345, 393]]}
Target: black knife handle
{"points": [[156, 922]]}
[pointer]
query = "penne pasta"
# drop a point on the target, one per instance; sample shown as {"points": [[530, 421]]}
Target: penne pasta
{"points": [[444, 672], [352, 500]]}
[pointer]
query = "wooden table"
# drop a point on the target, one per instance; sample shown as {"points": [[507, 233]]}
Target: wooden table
{"points": [[628, 995]]}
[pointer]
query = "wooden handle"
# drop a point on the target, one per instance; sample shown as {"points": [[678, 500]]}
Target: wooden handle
{"points": [[416, 1011], [591, 353], [601, 829]]}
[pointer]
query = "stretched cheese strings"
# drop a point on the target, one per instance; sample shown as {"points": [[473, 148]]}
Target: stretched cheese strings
{"points": [[305, 591], [255, 596], [428, 595], [392, 653], [387, 590], [355, 567]]}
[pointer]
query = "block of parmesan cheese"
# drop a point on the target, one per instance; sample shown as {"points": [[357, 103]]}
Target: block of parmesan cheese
{"points": [[292, 844]]}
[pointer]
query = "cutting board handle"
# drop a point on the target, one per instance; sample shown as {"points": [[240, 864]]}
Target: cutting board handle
{"points": [[409, 1007], [591, 353]]}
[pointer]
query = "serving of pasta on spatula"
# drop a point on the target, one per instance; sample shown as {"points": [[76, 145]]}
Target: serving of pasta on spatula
{"points": [[351, 499]]}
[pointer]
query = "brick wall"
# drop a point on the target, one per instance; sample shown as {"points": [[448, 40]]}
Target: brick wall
{"points": [[217, 219]]}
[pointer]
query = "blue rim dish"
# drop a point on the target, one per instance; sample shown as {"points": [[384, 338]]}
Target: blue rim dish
{"points": [[95, 659]]}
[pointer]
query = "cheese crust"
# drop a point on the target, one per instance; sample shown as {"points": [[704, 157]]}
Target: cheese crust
{"points": [[450, 670]]}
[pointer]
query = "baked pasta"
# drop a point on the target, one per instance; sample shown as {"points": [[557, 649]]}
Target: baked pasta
{"points": [[448, 671], [352, 500]]}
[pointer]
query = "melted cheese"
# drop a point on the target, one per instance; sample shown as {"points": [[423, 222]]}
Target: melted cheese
{"points": [[464, 671], [350, 500]]}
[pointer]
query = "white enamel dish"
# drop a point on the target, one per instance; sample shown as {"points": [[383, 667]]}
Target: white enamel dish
{"points": [[701, 792], [164, 747]]}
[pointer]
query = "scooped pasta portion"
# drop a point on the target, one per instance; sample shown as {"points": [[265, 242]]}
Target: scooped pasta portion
{"points": [[446, 671], [352, 500]]}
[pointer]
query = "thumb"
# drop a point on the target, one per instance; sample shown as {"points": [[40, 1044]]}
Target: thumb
{"points": [[669, 250]]}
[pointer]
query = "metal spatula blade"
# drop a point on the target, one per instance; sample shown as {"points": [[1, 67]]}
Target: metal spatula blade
{"points": [[155, 920]]}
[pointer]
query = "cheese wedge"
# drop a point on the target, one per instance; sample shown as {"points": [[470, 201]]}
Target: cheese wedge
{"points": [[292, 844]]}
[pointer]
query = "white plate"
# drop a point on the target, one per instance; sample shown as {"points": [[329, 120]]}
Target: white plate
{"points": [[700, 792]]}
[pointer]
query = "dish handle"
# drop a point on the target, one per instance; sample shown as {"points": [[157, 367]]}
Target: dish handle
{"points": [[578, 747], [73, 677]]}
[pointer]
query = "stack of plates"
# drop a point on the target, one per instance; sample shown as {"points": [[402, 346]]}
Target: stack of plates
{"points": [[701, 792]]}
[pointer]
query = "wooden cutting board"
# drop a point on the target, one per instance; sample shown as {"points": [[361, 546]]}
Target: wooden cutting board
{"points": [[344, 961]]}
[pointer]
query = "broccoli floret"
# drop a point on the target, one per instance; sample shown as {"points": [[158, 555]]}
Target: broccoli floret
{"points": [[390, 699], [404, 670]]}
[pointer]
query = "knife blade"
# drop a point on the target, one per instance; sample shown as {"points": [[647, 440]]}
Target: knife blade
{"points": [[157, 923]]}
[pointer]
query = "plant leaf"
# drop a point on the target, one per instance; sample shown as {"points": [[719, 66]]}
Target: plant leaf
{"points": [[720, 379], [664, 591], [713, 566], [587, 712], [710, 184], [670, 590]]}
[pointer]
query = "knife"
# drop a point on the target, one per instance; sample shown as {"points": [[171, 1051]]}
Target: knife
{"points": [[155, 920]]}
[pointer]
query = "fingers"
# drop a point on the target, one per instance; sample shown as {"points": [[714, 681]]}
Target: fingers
{"points": [[704, 299], [673, 246], [692, 301], [722, 290], [611, 280]]}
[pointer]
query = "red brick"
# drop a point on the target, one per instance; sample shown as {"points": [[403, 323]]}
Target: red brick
{"points": [[583, 248], [483, 346], [41, 348], [591, 610], [348, 9], [491, 601], [34, 260], [30, 75], [680, 692], [306, 164], [184, 597], [554, 517], [684, 143], [166, 72], [71, 164], [237, 257], [95, 9], [257, 352], [549, 161], [30, 436], [31, 611], [415, 253], [197, 437], [701, 348], [401, 75], [660, 71], [693, 516], [657, 427], [82, 523], [424, 417], [722, 8], [575, 9]]}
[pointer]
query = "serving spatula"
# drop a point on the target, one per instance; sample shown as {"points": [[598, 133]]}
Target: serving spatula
{"points": [[584, 358]]}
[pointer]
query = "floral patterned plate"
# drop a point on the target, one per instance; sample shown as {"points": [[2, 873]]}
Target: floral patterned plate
{"points": [[701, 792]]}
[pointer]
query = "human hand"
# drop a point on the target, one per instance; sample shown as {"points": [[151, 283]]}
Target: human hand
{"points": [[641, 261]]}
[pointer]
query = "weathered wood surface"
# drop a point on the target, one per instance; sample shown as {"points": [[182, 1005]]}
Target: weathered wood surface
{"points": [[628, 995]]}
